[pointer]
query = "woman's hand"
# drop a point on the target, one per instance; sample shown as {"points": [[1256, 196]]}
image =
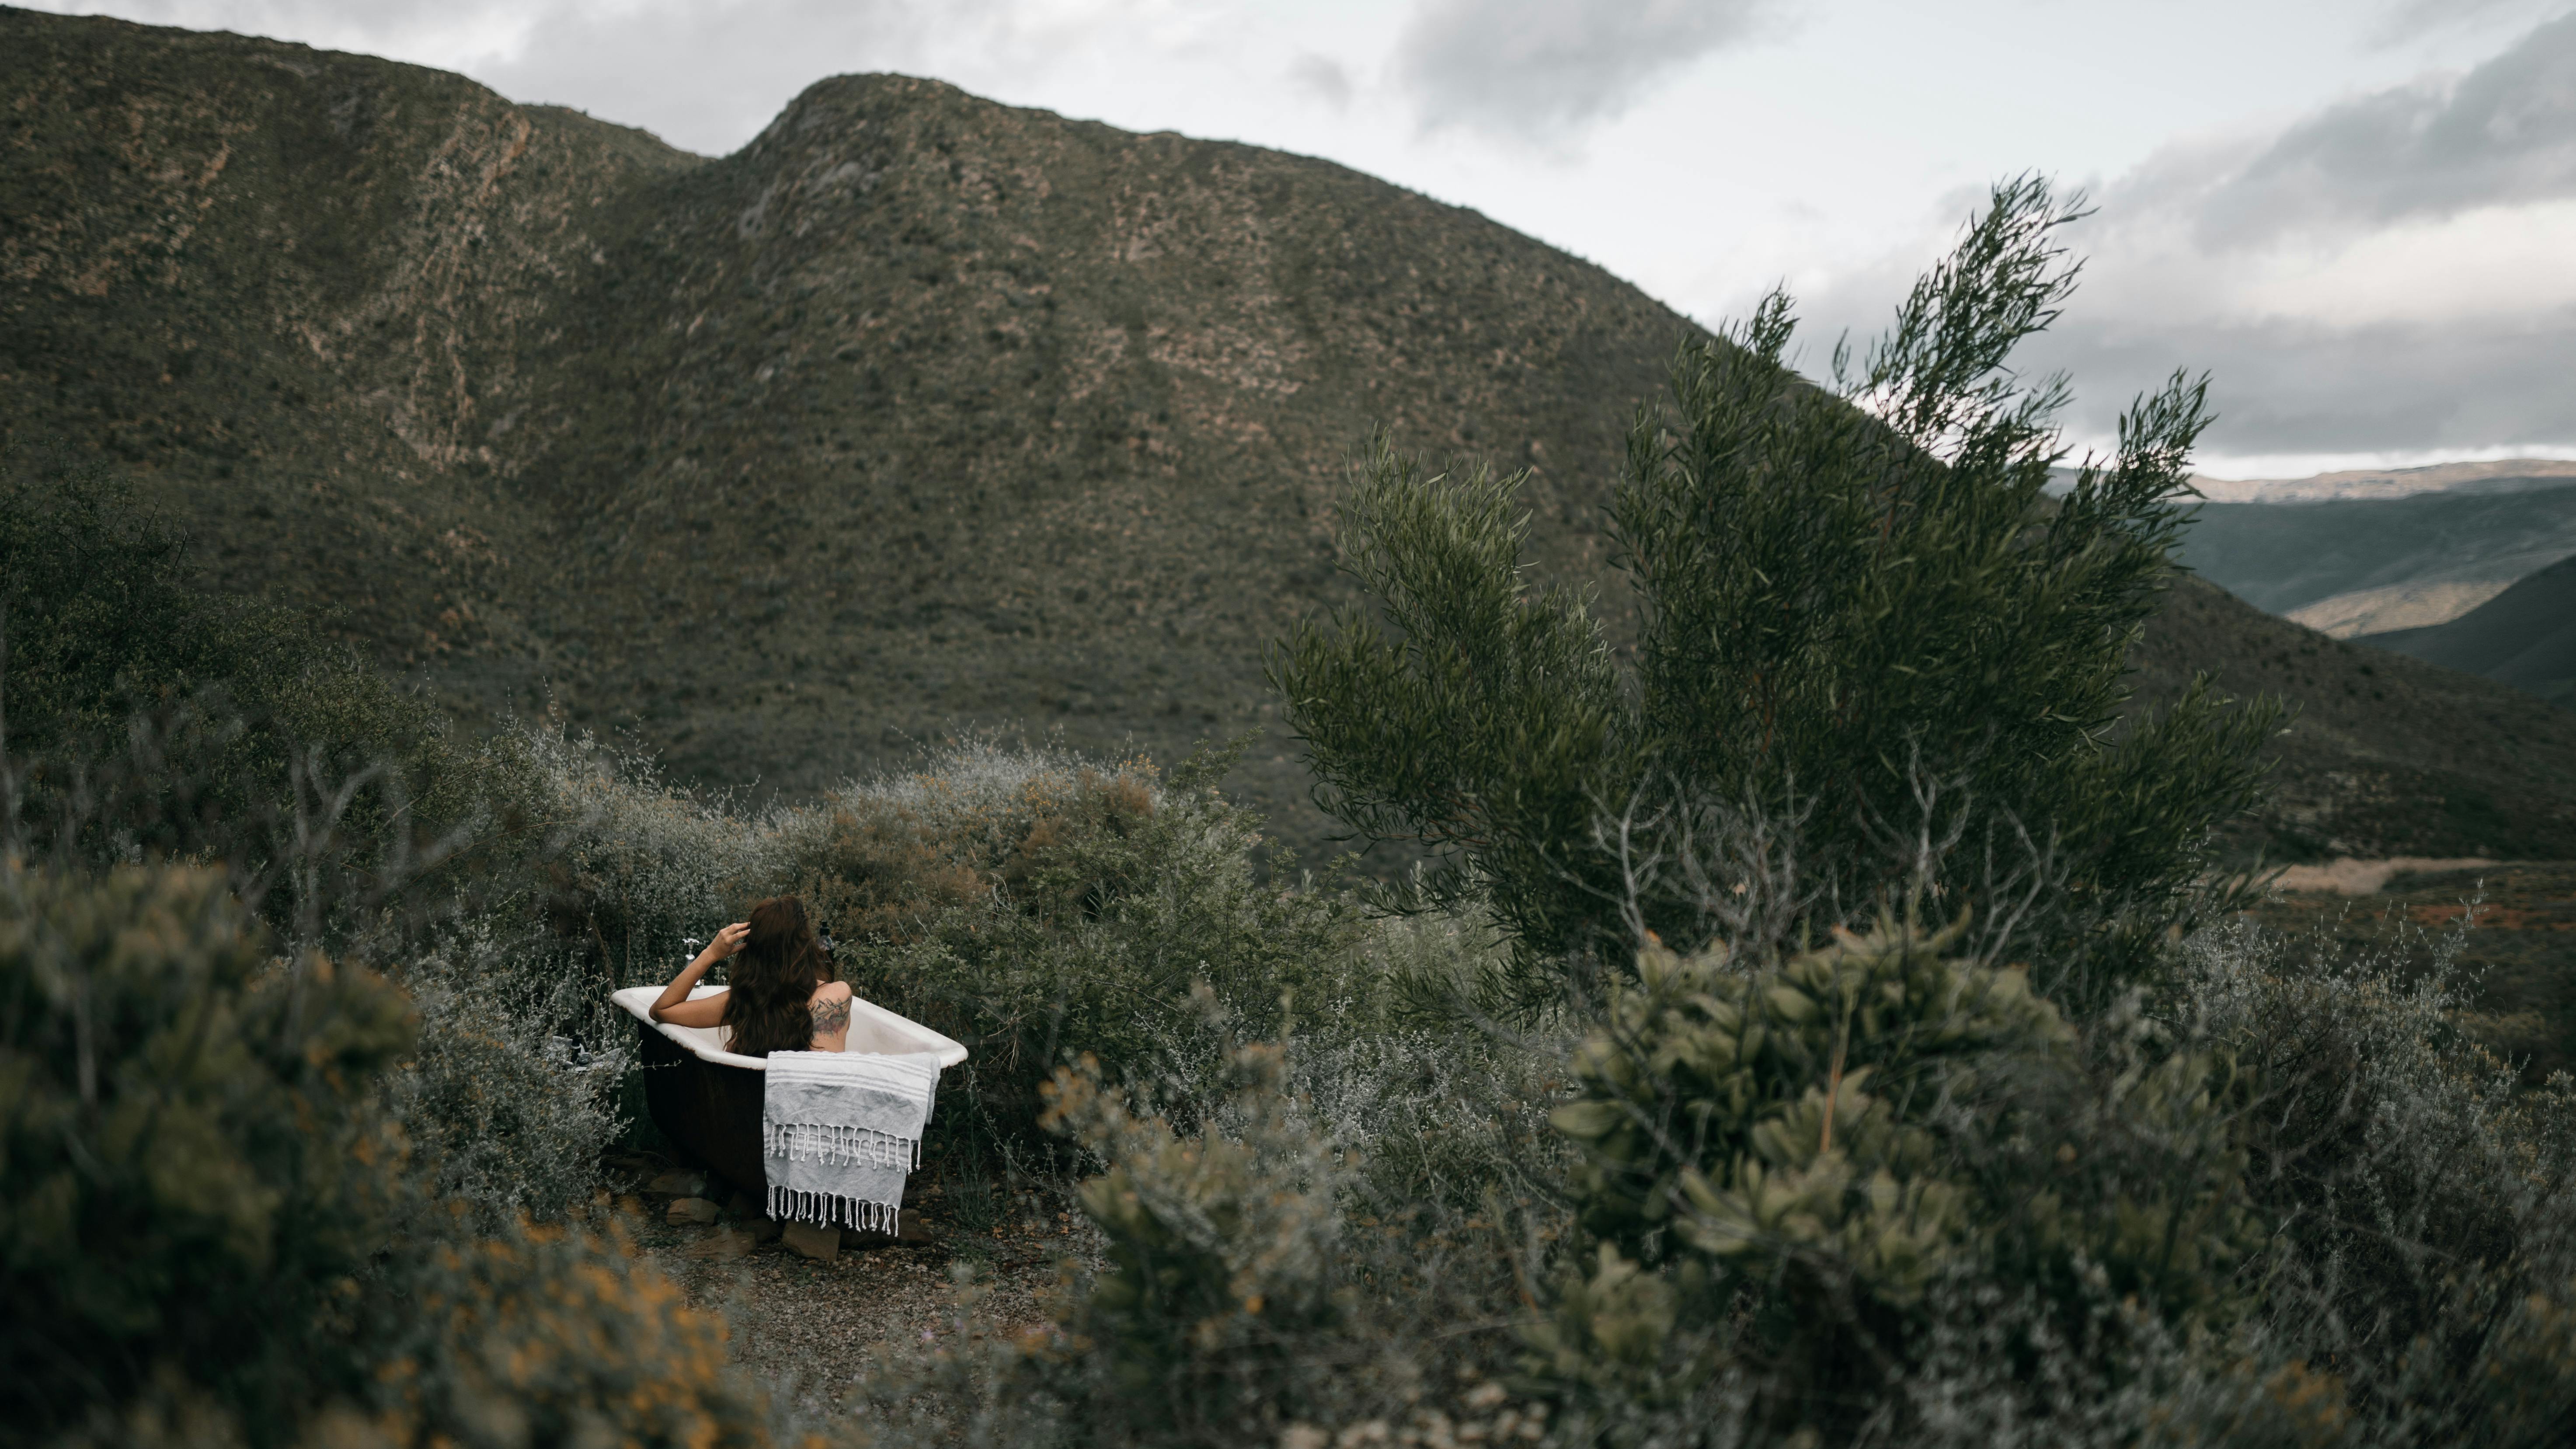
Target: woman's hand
{"points": [[727, 941], [676, 995]]}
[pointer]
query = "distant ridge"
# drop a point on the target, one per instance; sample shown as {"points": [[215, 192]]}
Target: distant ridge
{"points": [[2524, 636], [2507, 475], [2346, 554]]}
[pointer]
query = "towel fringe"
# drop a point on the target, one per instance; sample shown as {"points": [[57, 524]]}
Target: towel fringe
{"points": [[832, 1142], [833, 1210], [823, 1167]]}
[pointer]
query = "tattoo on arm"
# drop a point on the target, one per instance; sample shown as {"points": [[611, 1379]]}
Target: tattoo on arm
{"points": [[831, 1018]]}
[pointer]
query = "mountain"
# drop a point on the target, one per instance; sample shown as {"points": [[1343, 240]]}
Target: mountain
{"points": [[917, 412], [300, 298], [2386, 755], [2371, 564], [2524, 636]]}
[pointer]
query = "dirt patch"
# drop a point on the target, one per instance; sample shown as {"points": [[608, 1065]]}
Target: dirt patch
{"points": [[2350, 877]]}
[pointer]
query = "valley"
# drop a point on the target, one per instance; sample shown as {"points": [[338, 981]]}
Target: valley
{"points": [[2348, 567]]}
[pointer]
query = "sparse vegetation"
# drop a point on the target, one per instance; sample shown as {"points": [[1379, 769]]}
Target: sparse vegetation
{"points": [[712, 454], [1830, 1033], [2514, 971], [1347, 1213]]}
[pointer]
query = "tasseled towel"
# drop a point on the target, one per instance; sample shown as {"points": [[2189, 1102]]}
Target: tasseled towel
{"points": [[839, 1133]]}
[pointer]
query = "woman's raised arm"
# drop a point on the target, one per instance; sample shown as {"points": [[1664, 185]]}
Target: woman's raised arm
{"points": [[674, 1005]]}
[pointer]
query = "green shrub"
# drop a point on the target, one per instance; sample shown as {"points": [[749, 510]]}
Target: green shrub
{"points": [[511, 1094], [1784, 1163], [551, 1336], [1253, 1280], [634, 865], [2426, 1201], [1846, 600], [197, 1168], [214, 1232], [1221, 1260], [1038, 908]]}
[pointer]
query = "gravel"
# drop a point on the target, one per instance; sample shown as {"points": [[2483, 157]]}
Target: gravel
{"points": [[811, 1329]]}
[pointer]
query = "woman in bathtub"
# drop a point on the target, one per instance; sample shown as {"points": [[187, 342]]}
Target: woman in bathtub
{"points": [[784, 995]]}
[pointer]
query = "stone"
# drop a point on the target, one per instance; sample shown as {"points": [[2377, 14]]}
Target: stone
{"points": [[766, 1230], [726, 1244], [693, 1210], [820, 1244], [909, 1227], [677, 1184]]}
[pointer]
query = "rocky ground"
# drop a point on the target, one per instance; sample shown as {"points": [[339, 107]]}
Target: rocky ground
{"points": [[813, 1310]]}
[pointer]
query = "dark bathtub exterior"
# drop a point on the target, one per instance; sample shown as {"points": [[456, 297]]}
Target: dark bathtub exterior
{"points": [[711, 1110]]}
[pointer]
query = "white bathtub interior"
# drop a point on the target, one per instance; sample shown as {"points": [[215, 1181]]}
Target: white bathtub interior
{"points": [[872, 1029]]}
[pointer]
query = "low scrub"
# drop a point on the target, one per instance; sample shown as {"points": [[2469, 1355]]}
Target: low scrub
{"points": [[215, 1233], [1874, 1193], [1098, 899], [1030, 903]]}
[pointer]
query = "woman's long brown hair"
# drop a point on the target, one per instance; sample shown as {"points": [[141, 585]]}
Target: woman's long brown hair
{"points": [[774, 976]]}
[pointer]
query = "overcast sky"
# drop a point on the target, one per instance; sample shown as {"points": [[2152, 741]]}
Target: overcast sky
{"points": [[2359, 215]]}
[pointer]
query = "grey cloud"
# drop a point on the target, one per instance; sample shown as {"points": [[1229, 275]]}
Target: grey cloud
{"points": [[2278, 385], [2165, 235], [2406, 20], [1537, 70], [2289, 387], [702, 77], [1323, 78], [2503, 133], [705, 77]]}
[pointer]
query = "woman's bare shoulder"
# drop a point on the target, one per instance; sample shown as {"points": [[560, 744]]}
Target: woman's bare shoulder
{"points": [[832, 991]]}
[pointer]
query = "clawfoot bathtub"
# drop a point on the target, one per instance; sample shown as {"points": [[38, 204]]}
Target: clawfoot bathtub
{"points": [[707, 1099]]}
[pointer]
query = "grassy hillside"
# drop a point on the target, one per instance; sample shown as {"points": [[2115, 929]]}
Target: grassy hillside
{"points": [[2388, 755], [2525, 636], [918, 412], [291, 292]]}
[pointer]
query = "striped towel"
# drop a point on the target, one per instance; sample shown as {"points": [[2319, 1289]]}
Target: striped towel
{"points": [[840, 1131]]}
